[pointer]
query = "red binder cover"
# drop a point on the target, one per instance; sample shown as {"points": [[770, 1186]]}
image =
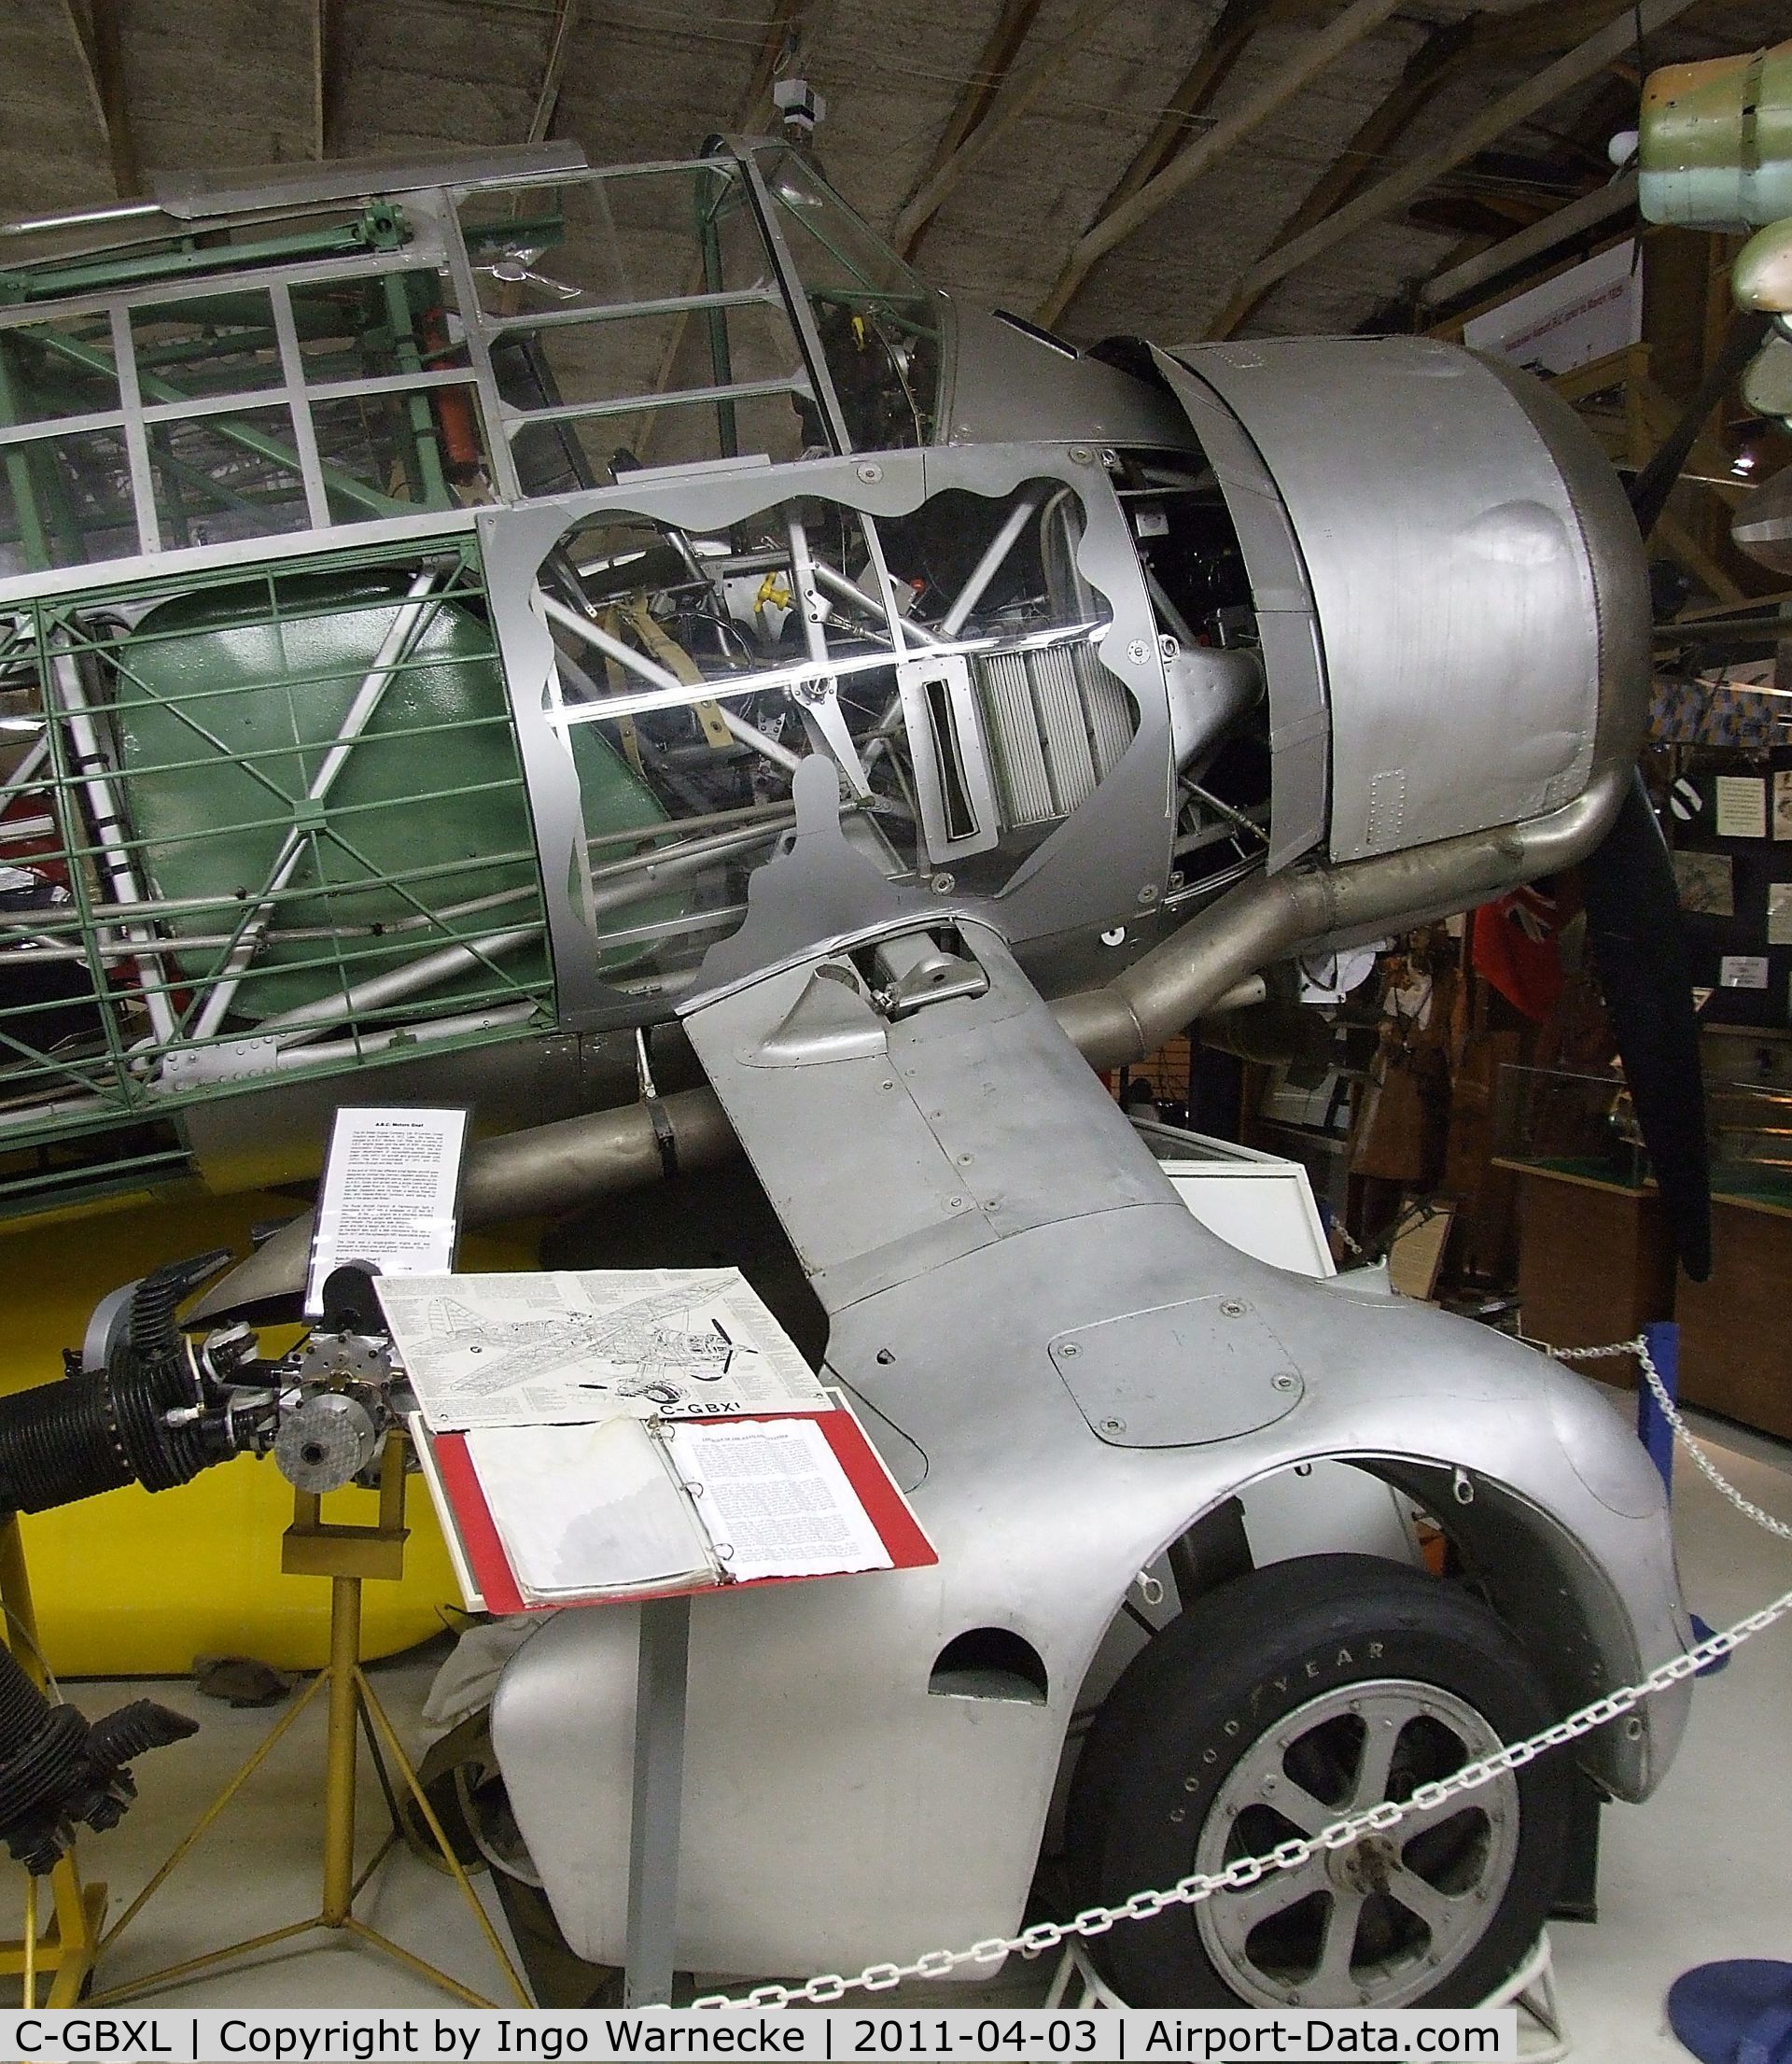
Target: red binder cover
{"points": [[904, 1541]]}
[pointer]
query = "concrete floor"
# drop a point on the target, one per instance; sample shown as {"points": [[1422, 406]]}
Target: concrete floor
{"points": [[1705, 1871]]}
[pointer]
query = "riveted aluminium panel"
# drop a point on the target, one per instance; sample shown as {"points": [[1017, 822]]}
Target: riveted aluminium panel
{"points": [[1177, 1375], [1287, 617], [1451, 572]]}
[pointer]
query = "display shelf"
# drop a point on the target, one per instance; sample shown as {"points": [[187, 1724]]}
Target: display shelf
{"points": [[1735, 1350]]}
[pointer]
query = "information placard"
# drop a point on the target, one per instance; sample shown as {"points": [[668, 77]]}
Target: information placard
{"points": [[389, 1193], [1741, 805]]}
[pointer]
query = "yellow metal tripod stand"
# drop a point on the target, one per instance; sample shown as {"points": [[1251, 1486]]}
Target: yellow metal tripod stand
{"points": [[347, 1555], [65, 1951]]}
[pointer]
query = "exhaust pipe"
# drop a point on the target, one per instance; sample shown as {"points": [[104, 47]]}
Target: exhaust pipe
{"points": [[1272, 917], [1193, 974], [540, 1172]]}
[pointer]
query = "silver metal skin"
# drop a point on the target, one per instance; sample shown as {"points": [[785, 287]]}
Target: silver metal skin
{"points": [[1106, 859], [1460, 616], [1120, 832], [995, 1208], [1104, 869], [1398, 607], [1004, 386], [1483, 1837], [1454, 848], [1443, 596]]}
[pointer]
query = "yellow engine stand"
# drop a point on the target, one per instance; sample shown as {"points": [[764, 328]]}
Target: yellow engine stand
{"points": [[347, 1555], [67, 1949], [136, 1583]]}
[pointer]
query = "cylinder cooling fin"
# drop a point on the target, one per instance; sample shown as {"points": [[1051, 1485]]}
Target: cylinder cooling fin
{"points": [[1056, 723], [137, 1418], [100, 1428], [58, 1768]]}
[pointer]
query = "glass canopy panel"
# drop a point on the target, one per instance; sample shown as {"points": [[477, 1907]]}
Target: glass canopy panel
{"points": [[557, 457], [225, 476], [220, 344], [879, 320], [53, 370], [375, 328], [395, 452], [615, 238], [668, 388], [638, 315], [65, 501]]}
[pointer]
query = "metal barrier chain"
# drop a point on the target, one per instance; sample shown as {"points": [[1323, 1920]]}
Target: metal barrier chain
{"points": [[1683, 1432], [1340, 1834]]}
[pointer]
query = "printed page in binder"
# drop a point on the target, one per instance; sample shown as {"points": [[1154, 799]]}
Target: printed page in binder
{"points": [[773, 1498], [540, 1517], [587, 1510], [531, 1348]]}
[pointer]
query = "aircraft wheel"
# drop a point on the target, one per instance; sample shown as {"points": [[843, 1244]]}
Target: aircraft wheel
{"points": [[1292, 1697]]}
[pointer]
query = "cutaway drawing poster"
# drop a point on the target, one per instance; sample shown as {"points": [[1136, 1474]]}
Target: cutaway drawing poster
{"points": [[564, 1346]]}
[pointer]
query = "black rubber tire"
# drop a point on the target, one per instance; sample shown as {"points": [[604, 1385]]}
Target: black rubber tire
{"points": [[1203, 1692]]}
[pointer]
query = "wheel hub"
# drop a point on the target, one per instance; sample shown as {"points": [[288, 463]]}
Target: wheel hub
{"points": [[1385, 1920], [1363, 1868]]}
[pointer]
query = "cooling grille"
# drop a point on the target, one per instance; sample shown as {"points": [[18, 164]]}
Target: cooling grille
{"points": [[1057, 723]]}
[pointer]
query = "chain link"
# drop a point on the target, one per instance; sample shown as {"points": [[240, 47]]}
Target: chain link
{"points": [[1340, 1834], [1670, 1412]]}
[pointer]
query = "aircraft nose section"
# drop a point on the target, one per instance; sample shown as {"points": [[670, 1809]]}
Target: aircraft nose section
{"points": [[1452, 642]]}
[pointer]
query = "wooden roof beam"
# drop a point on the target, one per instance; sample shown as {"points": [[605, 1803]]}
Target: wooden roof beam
{"points": [[996, 60], [754, 112], [319, 73], [1549, 26], [1437, 60], [1579, 218], [98, 32], [1016, 94], [554, 69], [1235, 24], [1318, 54], [1584, 62], [330, 69]]}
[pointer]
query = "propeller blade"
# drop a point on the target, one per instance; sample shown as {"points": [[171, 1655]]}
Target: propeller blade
{"points": [[1649, 491], [1639, 948]]}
